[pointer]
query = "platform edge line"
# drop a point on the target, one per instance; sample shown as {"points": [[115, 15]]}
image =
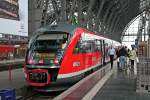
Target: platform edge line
{"points": [[97, 87]]}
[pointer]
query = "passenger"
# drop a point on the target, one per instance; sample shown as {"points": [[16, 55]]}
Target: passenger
{"points": [[111, 53], [132, 57], [117, 54], [128, 53], [122, 59], [128, 57]]}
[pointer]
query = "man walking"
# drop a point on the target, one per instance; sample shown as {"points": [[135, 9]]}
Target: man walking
{"points": [[122, 59], [132, 58], [111, 53]]}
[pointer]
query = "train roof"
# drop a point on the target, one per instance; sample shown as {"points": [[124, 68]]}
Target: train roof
{"points": [[62, 27]]}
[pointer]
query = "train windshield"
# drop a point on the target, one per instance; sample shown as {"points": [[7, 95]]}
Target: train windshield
{"points": [[46, 45], [47, 49]]}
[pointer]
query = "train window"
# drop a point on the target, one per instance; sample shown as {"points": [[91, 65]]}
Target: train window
{"points": [[88, 44], [92, 46], [78, 47], [85, 47], [106, 49], [51, 37], [98, 45], [46, 44]]}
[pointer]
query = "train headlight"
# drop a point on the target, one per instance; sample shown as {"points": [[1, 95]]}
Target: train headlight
{"points": [[56, 61], [25, 75], [41, 61], [30, 61]]}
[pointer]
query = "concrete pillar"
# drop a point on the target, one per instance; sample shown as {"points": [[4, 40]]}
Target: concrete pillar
{"points": [[44, 16], [148, 32], [35, 15]]}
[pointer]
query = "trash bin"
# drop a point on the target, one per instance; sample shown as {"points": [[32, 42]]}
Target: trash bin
{"points": [[7, 94]]}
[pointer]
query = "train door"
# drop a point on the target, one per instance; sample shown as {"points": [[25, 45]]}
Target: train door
{"points": [[88, 47], [107, 47], [101, 51], [90, 53], [98, 51], [104, 53], [86, 53], [85, 49]]}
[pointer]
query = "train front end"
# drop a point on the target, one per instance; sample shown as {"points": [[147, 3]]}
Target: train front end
{"points": [[44, 57]]}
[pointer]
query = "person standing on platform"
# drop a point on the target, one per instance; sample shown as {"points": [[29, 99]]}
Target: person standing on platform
{"points": [[117, 54], [111, 53], [122, 59], [132, 57]]}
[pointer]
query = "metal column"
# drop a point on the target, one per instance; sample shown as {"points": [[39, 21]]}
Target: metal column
{"points": [[35, 15]]}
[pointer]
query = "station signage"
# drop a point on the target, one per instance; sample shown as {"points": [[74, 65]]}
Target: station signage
{"points": [[14, 22]]}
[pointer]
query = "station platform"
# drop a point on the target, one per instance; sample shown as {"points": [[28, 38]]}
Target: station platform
{"points": [[114, 85], [13, 64], [16, 81], [121, 86]]}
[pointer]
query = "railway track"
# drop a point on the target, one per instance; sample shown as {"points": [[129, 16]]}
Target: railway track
{"points": [[40, 96]]}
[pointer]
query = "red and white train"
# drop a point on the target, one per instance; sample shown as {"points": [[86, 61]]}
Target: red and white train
{"points": [[62, 54]]}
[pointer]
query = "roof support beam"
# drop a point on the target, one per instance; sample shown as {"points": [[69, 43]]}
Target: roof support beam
{"points": [[98, 14], [89, 13], [111, 4], [114, 9], [116, 23], [113, 21], [44, 16], [63, 11], [112, 24], [80, 13], [72, 8], [54, 3], [107, 11]]}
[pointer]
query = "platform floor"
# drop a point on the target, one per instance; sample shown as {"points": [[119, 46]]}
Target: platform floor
{"points": [[17, 79], [11, 64], [121, 86]]}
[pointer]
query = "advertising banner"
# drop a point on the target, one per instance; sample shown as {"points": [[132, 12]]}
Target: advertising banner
{"points": [[14, 17]]}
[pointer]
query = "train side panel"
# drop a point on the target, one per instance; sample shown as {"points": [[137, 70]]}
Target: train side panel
{"points": [[67, 63], [77, 63]]}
